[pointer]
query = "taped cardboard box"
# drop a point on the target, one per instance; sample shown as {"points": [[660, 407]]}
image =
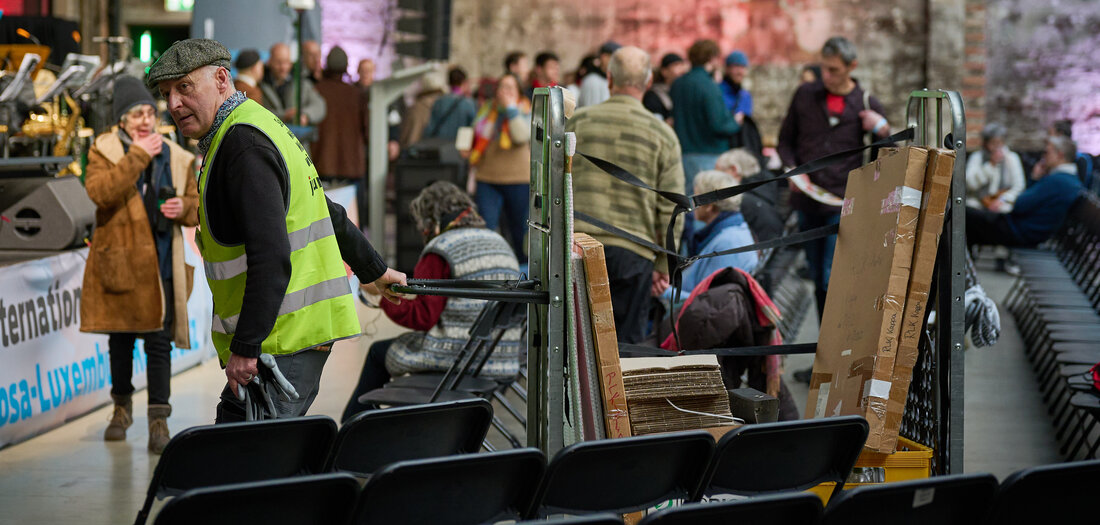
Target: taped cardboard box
{"points": [[861, 325], [937, 191], [616, 416]]}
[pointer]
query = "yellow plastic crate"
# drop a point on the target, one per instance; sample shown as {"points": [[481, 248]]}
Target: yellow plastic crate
{"points": [[911, 461]]}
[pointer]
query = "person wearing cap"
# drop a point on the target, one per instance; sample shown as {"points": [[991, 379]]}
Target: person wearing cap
{"points": [[620, 130], [339, 149], [432, 86], [136, 282], [279, 84], [272, 243], [250, 72], [657, 99], [738, 99], [594, 88]]}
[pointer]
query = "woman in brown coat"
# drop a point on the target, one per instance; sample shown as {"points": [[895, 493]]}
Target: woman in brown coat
{"points": [[136, 283]]}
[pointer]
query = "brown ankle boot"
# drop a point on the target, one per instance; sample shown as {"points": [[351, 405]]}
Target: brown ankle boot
{"points": [[121, 419], [158, 427]]}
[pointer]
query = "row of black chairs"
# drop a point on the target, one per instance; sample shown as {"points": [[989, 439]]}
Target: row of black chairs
{"points": [[606, 475], [1056, 303], [493, 487]]}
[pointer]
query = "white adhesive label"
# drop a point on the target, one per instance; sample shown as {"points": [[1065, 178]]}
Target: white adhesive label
{"points": [[822, 400], [910, 197], [879, 389], [846, 353], [922, 497]]}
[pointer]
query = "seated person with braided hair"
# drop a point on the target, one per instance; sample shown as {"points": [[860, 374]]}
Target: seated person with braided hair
{"points": [[459, 246]]}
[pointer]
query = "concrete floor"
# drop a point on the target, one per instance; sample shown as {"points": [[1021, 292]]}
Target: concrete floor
{"points": [[69, 475]]}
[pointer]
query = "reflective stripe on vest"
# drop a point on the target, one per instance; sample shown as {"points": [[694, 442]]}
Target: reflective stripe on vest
{"points": [[319, 229], [318, 307]]}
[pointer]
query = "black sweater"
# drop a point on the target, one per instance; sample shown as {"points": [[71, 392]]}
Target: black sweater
{"points": [[245, 202]]}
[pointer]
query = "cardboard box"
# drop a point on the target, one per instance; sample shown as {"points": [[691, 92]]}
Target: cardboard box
{"points": [[616, 417], [862, 322], [667, 394], [936, 193]]}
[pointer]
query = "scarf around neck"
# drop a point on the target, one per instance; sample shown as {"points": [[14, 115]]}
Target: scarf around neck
{"points": [[227, 107]]}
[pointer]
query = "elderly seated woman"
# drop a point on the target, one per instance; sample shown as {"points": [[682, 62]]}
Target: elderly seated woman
{"points": [[459, 246], [725, 228]]}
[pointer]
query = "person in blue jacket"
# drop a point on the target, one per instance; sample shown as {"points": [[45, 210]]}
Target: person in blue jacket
{"points": [[1039, 211], [725, 229], [738, 99]]}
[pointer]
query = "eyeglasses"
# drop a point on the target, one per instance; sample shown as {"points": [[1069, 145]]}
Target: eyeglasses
{"points": [[142, 112]]}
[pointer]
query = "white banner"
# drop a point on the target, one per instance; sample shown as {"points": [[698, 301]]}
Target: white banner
{"points": [[50, 372]]}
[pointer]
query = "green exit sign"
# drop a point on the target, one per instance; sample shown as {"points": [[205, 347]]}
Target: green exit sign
{"points": [[179, 5]]}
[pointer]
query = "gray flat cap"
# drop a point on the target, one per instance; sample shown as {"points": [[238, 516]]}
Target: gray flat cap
{"points": [[186, 56]]}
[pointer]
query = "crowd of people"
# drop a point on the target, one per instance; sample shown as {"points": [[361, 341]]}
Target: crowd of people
{"points": [[680, 124]]}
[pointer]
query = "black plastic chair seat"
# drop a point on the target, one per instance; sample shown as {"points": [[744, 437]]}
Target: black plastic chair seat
{"points": [[456, 490], [1062, 300], [480, 385], [623, 475], [230, 453], [786, 456], [1078, 358], [1080, 383], [1075, 333], [373, 439], [1088, 401], [1073, 370], [779, 509], [1059, 493], [1075, 347], [326, 499], [403, 396], [944, 500], [1066, 284], [1070, 316]]}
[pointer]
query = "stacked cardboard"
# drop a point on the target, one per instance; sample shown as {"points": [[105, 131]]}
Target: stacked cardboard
{"points": [[861, 365], [668, 394]]}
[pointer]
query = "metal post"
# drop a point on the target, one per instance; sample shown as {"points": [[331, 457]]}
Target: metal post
{"points": [[382, 94], [548, 248], [951, 283]]}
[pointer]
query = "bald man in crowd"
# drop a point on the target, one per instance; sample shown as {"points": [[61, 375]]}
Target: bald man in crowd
{"points": [[278, 88], [311, 60], [622, 131]]}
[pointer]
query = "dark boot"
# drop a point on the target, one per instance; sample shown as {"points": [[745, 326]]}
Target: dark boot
{"points": [[121, 419], [158, 427]]}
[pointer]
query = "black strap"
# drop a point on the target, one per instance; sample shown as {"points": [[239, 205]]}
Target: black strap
{"points": [[633, 350], [690, 203]]}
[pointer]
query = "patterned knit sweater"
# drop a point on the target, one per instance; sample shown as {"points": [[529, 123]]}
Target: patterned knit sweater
{"points": [[472, 253]]}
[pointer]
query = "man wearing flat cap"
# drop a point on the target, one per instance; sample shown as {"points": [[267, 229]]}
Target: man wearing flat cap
{"points": [[271, 242]]}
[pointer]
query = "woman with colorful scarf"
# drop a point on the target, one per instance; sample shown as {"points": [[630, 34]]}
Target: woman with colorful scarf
{"points": [[501, 160]]}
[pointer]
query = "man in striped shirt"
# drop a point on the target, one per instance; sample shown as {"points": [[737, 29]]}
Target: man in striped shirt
{"points": [[620, 130]]}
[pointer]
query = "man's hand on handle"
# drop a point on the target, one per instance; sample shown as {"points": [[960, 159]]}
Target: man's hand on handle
{"points": [[390, 278]]}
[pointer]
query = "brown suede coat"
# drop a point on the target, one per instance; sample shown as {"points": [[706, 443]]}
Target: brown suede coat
{"points": [[122, 286]]}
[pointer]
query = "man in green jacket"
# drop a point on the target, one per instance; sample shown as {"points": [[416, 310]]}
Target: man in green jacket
{"points": [[699, 114]]}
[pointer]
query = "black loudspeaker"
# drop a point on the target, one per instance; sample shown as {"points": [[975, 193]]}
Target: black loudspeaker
{"points": [[412, 175], [44, 213]]}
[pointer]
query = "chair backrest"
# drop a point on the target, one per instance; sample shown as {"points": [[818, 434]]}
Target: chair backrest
{"points": [[376, 438], [945, 500], [457, 490], [799, 508], [791, 455], [327, 499], [1060, 493], [624, 475], [212, 455]]}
